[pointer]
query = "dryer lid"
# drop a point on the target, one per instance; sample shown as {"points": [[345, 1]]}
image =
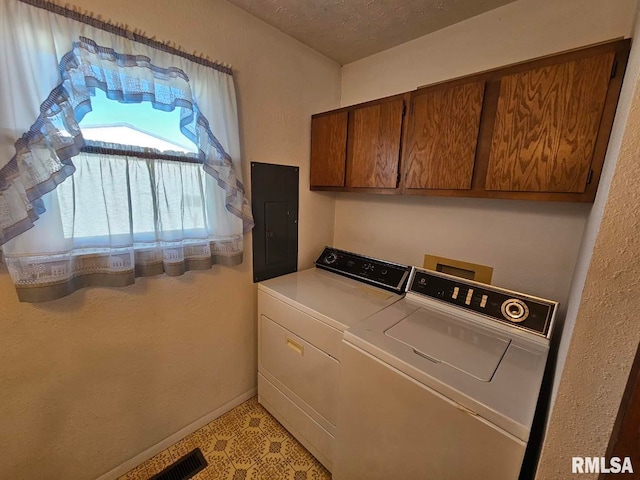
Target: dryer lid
{"points": [[443, 338]]}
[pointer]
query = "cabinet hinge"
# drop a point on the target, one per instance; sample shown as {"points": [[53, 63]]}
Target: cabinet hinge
{"points": [[614, 68], [589, 177]]}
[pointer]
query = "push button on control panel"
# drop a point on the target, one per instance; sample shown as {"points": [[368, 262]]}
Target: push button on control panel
{"points": [[469, 297]]}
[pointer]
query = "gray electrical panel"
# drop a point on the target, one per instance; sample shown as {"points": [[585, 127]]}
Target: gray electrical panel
{"points": [[274, 201]]}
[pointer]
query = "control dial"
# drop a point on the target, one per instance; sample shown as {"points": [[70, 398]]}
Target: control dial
{"points": [[330, 258], [515, 310]]}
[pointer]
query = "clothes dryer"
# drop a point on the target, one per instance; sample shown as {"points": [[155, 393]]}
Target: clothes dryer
{"points": [[301, 320]]}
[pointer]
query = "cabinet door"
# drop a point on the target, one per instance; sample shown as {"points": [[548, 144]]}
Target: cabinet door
{"points": [[328, 149], [374, 145], [442, 134], [546, 125]]}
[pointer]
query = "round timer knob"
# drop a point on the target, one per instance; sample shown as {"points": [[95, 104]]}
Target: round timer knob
{"points": [[515, 310], [330, 258]]}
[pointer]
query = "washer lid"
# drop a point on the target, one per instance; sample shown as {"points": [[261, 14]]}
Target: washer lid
{"points": [[443, 338]]}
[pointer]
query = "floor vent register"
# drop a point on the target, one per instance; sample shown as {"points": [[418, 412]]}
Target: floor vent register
{"points": [[184, 468]]}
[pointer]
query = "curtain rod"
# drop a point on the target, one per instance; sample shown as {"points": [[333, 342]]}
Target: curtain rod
{"points": [[149, 155], [76, 13]]}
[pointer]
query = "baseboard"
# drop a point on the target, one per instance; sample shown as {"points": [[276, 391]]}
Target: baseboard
{"points": [[179, 435]]}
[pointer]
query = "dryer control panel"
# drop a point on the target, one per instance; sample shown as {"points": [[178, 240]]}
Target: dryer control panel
{"points": [[390, 276], [517, 309]]}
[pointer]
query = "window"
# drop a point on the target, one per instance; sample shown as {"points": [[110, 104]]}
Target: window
{"points": [[134, 124], [166, 194], [155, 189]]}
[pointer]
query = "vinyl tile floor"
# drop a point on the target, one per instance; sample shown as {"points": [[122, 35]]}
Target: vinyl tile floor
{"points": [[246, 443]]}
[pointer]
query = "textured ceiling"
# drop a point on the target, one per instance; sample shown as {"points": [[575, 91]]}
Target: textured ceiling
{"points": [[348, 30]]}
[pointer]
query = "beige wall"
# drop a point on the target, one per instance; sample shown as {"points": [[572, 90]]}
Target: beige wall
{"points": [[532, 245], [91, 380]]}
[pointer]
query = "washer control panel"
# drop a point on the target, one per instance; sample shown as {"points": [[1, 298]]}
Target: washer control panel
{"points": [[517, 309], [390, 276]]}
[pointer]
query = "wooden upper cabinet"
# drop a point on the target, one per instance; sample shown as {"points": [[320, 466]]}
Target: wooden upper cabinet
{"points": [[328, 149], [374, 145], [442, 135], [546, 126], [535, 130]]}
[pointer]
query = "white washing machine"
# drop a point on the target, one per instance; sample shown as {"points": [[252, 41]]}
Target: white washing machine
{"points": [[301, 320], [442, 384]]}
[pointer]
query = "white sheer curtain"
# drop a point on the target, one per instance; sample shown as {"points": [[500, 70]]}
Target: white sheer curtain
{"points": [[111, 218]]}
